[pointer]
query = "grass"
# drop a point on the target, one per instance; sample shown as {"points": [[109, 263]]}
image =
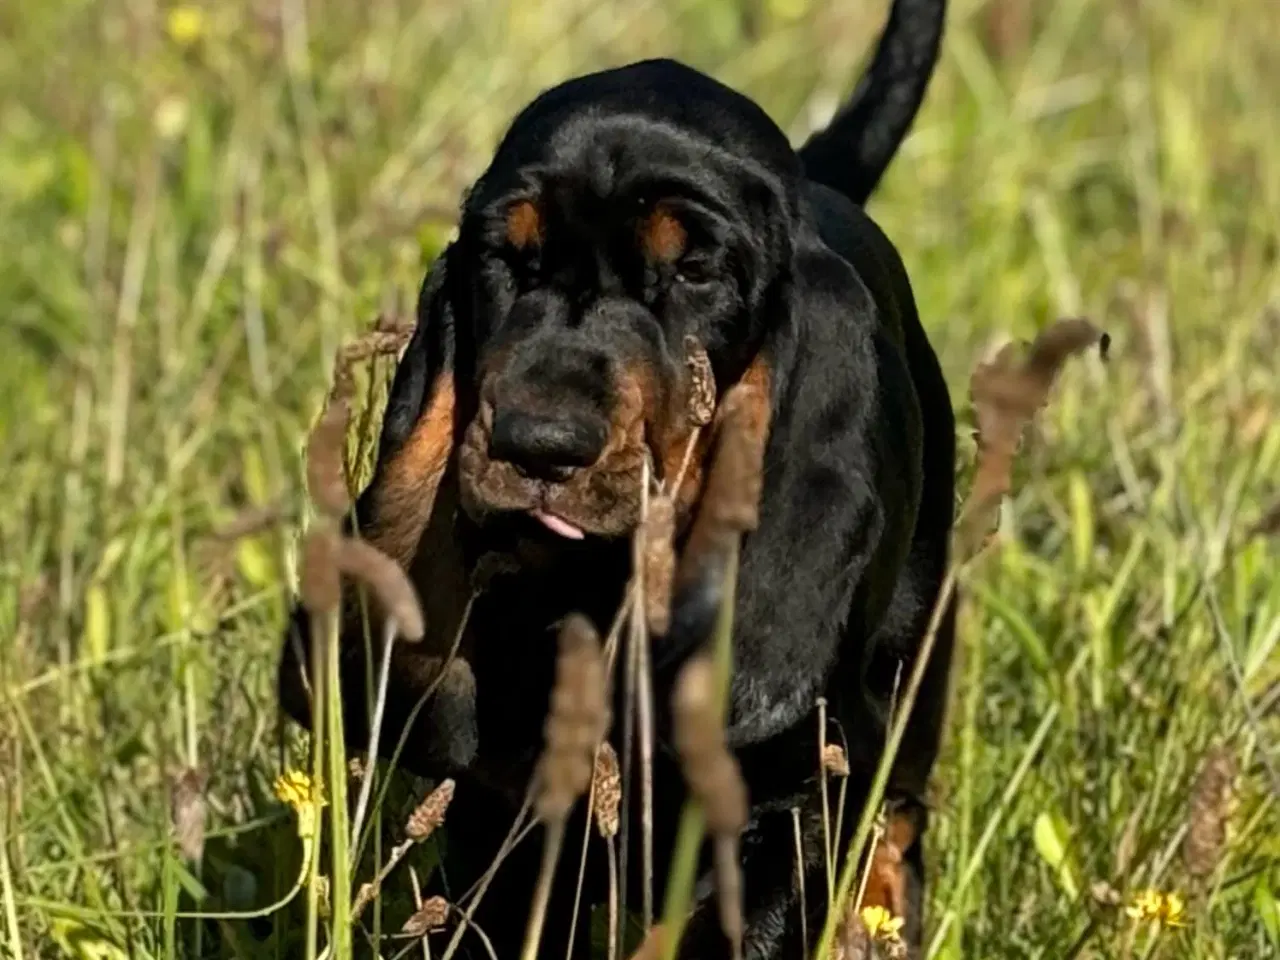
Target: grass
{"points": [[195, 211]]}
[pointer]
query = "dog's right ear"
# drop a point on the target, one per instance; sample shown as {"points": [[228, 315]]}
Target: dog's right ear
{"points": [[419, 428], [429, 353], [402, 501]]}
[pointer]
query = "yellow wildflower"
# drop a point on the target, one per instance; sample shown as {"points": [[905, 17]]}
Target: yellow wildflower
{"points": [[186, 25], [881, 924], [1156, 907], [296, 788]]}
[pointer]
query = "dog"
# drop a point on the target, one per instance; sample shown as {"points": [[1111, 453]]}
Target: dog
{"points": [[627, 217]]}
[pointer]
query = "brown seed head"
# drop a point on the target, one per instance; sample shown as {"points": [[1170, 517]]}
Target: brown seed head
{"points": [[577, 721], [1006, 393], [710, 770], [1208, 812], [608, 790], [834, 761], [429, 815], [659, 562], [702, 383], [326, 459], [430, 916], [189, 810], [321, 586], [367, 564]]}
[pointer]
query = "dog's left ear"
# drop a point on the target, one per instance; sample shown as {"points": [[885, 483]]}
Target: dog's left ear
{"points": [[840, 487]]}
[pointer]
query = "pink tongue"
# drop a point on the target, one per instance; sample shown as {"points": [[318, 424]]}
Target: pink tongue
{"points": [[556, 525]]}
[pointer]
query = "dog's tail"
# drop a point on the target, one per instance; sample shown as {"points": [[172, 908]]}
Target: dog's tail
{"points": [[853, 151]]}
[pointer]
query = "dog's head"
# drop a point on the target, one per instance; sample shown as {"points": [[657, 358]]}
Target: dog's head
{"points": [[630, 222]]}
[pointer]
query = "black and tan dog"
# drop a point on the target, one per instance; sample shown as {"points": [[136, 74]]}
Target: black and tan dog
{"points": [[627, 214]]}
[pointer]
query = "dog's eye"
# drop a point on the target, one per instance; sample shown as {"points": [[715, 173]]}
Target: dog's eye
{"points": [[695, 268]]}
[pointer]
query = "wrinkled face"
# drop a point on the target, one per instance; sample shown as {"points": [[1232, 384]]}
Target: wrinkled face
{"points": [[600, 275]]}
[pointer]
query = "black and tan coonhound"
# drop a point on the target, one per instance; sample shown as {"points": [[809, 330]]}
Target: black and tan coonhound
{"points": [[626, 214]]}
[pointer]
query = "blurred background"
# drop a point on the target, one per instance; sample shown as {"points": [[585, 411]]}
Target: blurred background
{"points": [[200, 202]]}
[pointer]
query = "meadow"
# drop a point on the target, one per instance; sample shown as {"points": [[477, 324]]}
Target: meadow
{"points": [[200, 203]]}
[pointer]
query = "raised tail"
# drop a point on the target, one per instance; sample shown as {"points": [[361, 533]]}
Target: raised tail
{"points": [[853, 151]]}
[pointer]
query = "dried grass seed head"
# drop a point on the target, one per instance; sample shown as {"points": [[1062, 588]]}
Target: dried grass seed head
{"points": [[367, 564], [608, 790], [659, 562], [702, 383], [430, 916], [1208, 812], [429, 815], [834, 760], [189, 811], [321, 585], [1007, 392], [709, 768], [326, 459], [577, 720], [732, 491]]}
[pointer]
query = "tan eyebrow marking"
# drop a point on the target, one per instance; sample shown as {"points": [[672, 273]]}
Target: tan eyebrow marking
{"points": [[524, 224], [663, 236]]}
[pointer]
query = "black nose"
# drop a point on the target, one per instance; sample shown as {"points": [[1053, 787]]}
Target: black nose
{"points": [[546, 446]]}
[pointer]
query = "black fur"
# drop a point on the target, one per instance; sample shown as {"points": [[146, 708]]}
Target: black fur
{"points": [[837, 583]]}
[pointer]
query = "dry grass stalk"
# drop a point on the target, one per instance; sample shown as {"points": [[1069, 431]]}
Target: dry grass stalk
{"points": [[429, 917], [367, 564], [828, 847], [800, 870], [659, 562], [716, 781], [1208, 811], [1006, 393], [608, 791], [189, 810], [429, 815]]}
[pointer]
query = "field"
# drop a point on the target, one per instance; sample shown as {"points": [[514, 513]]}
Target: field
{"points": [[199, 204]]}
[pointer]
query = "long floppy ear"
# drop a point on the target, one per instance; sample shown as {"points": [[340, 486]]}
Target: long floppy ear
{"points": [[418, 428], [841, 488], [407, 512]]}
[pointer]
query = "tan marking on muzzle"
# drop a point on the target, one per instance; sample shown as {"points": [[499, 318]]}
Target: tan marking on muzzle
{"points": [[886, 879]]}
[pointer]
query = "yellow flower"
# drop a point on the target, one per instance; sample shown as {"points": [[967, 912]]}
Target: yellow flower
{"points": [[1156, 907], [296, 788], [881, 924], [186, 25]]}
